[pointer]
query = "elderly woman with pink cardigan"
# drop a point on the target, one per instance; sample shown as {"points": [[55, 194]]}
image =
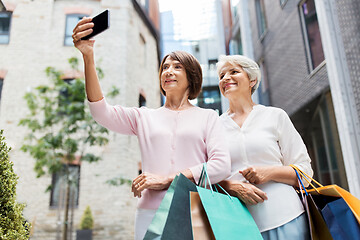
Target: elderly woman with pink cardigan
{"points": [[176, 138]]}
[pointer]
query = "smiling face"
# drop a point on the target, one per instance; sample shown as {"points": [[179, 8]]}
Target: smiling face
{"points": [[233, 80], [173, 77]]}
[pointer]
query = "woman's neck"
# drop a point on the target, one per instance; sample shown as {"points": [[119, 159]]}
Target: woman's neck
{"points": [[177, 102], [241, 105]]}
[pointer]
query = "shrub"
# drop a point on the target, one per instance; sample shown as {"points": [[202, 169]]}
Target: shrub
{"points": [[87, 221], [12, 223]]}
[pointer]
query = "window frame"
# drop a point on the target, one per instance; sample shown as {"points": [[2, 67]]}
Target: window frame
{"points": [[201, 98], [1, 86], [79, 15], [309, 55], [55, 178], [8, 33], [260, 12]]}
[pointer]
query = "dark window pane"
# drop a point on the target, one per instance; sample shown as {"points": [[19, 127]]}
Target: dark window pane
{"points": [[59, 185], [1, 86], [313, 33], [210, 98], [5, 18]]}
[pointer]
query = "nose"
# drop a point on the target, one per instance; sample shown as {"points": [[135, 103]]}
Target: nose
{"points": [[169, 70], [225, 77]]}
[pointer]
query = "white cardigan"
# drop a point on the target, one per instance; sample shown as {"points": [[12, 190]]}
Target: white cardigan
{"points": [[268, 138]]}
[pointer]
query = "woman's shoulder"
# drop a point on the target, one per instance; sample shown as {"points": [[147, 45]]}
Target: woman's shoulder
{"points": [[274, 111], [208, 112]]}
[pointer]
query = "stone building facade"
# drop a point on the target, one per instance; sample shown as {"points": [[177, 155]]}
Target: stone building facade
{"points": [[129, 57]]}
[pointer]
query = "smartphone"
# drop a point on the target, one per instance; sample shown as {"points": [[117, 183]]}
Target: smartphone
{"points": [[101, 23]]}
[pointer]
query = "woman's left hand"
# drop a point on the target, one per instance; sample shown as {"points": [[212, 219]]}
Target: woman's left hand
{"points": [[257, 174], [149, 181]]}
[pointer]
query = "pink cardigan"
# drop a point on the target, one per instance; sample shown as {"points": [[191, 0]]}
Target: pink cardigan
{"points": [[170, 141]]}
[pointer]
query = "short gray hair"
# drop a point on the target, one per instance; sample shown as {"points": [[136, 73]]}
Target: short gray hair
{"points": [[248, 65]]}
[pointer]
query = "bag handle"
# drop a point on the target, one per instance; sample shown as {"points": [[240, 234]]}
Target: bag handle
{"points": [[301, 184], [306, 177], [204, 177]]}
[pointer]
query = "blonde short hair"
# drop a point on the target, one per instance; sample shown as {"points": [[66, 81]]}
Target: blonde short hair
{"points": [[251, 68]]}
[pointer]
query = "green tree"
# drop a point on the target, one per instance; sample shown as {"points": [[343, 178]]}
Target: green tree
{"points": [[61, 127], [12, 223]]}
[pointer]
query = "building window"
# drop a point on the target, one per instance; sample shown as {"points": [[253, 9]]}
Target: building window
{"points": [[5, 20], [311, 31], [264, 95], [71, 21], [328, 163], [59, 186], [210, 98], [261, 17], [264, 81], [1, 86]]}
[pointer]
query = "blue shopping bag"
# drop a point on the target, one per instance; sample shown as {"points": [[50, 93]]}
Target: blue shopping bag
{"points": [[340, 220], [337, 214]]}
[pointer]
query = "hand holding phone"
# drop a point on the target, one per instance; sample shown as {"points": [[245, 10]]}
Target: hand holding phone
{"points": [[101, 23]]}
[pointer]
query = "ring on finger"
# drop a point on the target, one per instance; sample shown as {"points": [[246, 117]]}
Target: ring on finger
{"points": [[137, 185]]}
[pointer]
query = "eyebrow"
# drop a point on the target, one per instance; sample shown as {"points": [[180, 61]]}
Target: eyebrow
{"points": [[231, 69], [174, 62]]}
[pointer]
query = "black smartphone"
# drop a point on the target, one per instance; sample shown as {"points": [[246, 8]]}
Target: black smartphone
{"points": [[101, 23]]}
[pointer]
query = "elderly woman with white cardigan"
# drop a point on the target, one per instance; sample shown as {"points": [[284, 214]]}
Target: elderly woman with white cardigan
{"points": [[263, 143]]}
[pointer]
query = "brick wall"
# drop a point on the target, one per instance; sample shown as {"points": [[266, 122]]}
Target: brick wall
{"points": [[291, 83], [36, 42]]}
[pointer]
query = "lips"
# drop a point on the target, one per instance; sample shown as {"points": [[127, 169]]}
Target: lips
{"points": [[170, 80], [227, 85]]}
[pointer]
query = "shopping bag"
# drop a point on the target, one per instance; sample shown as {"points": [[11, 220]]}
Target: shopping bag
{"points": [[174, 211], [156, 227], [229, 218], [340, 220], [178, 222], [318, 228], [336, 213], [201, 228]]}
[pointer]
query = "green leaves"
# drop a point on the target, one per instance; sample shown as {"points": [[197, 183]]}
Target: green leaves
{"points": [[90, 158], [61, 128], [117, 181], [12, 223], [74, 62]]}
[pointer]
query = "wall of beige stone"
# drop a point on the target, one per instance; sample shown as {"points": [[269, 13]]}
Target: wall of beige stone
{"points": [[36, 42]]}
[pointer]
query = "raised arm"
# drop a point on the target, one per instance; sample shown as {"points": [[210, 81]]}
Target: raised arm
{"points": [[86, 47]]}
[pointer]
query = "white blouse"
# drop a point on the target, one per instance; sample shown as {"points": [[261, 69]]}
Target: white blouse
{"points": [[268, 138]]}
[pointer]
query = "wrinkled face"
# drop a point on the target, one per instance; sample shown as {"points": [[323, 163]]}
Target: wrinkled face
{"points": [[173, 77], [234, 80]]}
